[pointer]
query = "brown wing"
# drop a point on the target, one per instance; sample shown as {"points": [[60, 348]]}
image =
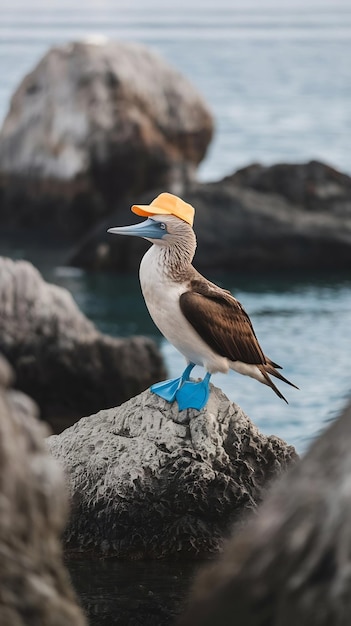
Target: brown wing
{"points": [[222, 322]]}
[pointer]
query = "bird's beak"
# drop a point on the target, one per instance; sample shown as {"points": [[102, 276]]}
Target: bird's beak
{"points": [[148, 229]]}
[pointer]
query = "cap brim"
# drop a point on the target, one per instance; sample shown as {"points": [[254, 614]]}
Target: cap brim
{"points": [[145, 210]]}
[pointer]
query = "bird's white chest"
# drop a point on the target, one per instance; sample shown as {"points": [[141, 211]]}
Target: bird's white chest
{"points": [[161, 295]]}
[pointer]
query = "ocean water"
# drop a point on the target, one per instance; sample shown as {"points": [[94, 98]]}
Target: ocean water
{"points": [[276, 73]]}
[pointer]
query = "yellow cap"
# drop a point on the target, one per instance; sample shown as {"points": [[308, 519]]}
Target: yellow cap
{"points": [[167, 204]]}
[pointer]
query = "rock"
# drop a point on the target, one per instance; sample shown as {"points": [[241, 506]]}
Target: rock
{"points": [[22, 404], [285, 217], [148, 481], [17, 401], [59, 357], [90, 125], [313, 186], [7, 375], [35, 587], [291, 563]]}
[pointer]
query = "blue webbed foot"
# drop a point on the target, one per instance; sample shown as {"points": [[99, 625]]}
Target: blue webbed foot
{"points": [[167, 389], [193, 395]]}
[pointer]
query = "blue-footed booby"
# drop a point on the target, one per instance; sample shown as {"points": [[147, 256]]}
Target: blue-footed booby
{"points": [[204, 322]]}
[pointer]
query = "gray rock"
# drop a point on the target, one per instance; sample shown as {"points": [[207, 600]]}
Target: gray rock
{"points": [[284, 217], [34, 585], [313, 186], [22, 404], [19, 402], [91, 124], [291, 563], [60, 359], [7, 375], [149, 482]]}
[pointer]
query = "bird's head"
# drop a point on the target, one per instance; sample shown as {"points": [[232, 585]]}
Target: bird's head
{"points": [[169, 223]]}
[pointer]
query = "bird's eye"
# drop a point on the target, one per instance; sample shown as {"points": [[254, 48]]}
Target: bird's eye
{"points": [[163, 226]]}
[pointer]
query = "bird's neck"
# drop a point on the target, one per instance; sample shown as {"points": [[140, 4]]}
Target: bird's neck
{"points": [[174, 261]]}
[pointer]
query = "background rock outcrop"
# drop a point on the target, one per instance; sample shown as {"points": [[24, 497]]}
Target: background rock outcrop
{"points": [[262, 218], [291, 563], [34, 585], [91, 124], [148, 481], [313, 186], [59, 357]]}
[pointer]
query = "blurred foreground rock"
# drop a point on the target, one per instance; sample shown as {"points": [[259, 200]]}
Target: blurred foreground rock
{"points": [[91, 124], [292, 563], [59, 357], [17, 401], [34, 585], [261, 218], [148, 481]]}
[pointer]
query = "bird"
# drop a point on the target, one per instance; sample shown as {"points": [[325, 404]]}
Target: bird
{"points": [[204, 322]]}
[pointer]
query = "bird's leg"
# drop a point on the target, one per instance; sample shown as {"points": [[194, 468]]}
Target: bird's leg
{"points": [[193, 395], [167, 389]]}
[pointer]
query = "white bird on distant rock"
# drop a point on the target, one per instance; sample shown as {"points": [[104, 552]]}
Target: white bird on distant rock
{"points": [[204, 322]]}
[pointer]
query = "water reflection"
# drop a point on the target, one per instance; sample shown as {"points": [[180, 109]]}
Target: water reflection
{"points": [[145, 593]]}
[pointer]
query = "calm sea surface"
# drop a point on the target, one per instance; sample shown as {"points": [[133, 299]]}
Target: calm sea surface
{"points": [[277, 76], [276, 73]]}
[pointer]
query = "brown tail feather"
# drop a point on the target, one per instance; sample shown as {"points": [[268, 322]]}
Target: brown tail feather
{"points": [[269, 382], [272, 371], [267, 369], [275, 365]]}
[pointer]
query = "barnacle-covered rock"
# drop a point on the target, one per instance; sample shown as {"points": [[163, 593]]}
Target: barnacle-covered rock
{"points": [[148, 481]]}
